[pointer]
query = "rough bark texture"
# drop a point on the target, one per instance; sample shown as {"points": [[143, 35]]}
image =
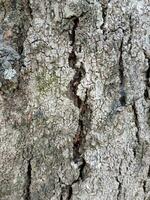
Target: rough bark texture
{"points": [[75, 100]]}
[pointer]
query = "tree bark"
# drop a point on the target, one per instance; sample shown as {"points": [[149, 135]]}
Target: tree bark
{"points": [[74, 97]]}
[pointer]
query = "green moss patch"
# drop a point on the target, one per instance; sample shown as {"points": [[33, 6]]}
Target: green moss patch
{"points": [[47, 82]]}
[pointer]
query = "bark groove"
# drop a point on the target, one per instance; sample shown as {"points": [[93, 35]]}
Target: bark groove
{"points": [[122, 77], [27, 192]]}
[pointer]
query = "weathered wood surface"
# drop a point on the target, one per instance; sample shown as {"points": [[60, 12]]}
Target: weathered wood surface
{"points": [[75, 100]]}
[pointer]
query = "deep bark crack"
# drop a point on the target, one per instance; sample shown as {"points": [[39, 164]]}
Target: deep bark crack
{"points": [[72, 35], [122, 77], [82, 105], [136, 122], [67, 191], [83, 127], [145, 181], [104, 5], [131, 33], [19, 30], [73, 85], [144, 186], [119, 188], [22, 35], [147, 83], [119, 182], [68, 188], [148, 173], [27, 191]]}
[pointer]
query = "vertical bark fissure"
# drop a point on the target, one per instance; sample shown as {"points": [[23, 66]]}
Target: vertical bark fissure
{"points": [[23, 28], [82, 105], [119, 188], [136, 122], [104, 5], [144, 186], [73, 32], [145, 182], [73, 87], [119, 182], [21, 37], [67, 189], [15, 38], [69, 192], [148, 173], [131, 32], [61, 197], [27, 192], [147, 84], [122, 77]]}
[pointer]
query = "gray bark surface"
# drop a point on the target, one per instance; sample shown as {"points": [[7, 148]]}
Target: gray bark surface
{"points": [[75, 100]]}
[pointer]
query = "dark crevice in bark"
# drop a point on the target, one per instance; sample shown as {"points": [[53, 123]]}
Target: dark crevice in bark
{"points": [[78, 102], [145, 189], [23, 28], [136, 122], [66, 192], [144, 186], [122, 77], [119, 182], [131, 32], [67, 189], [119, 188], [61, 197], [148, 174], [135, 151], [27, 193], [19, 31], [73, 86], [145, 181], [83, 127], [104, 5], [69, 193], [61, 194], [72, 35], [146, 95], [147, 83], [81, 172], [82, 105]]}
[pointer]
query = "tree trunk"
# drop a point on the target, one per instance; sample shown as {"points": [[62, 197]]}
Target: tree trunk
{"points": [[74, 97]]}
